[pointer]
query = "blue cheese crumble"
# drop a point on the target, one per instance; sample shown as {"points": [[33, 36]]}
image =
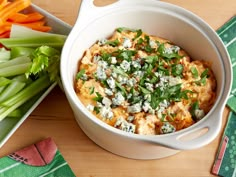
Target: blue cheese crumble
{"points": [[122, 124], [118, 99], [167, 128], [135, 108], [106, 112], [127, 43], [125, 65]]}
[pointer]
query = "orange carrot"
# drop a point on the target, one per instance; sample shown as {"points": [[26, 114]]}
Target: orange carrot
{"points": [[25, 18], [37, 25], [17, 17], [3, 3], [5, 35], [12, 8], [4, 28], [11, 12]]}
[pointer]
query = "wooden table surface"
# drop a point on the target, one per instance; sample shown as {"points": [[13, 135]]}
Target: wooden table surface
{"points": [[54, 118]]}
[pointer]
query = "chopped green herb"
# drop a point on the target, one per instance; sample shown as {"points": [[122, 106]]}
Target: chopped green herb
{"points": [[96, 109], [173, 91], [122, 89], [104, 83], [202, 81], [165, 55], [119, 71], [125, 54], [80, 74], [140, 41], [164, 70], [171, 116], [156, 98], [98, 97], [194, 107], [106, 56], [139, 33], [144, 90], [91, 89], [151, 59], [163, 117], [205, 73], [153, 79], [113, 43], [184, 94], [177, 70], [121, 29], [194, 72]]}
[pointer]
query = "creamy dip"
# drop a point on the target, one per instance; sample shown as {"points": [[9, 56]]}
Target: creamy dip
{"points": [[144, 84]]}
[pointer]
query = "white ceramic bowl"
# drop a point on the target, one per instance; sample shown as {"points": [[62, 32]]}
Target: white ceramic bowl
{"points": [[158, 18]]}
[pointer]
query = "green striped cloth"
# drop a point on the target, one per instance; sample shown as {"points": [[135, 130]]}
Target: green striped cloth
{"points": [[42, 159], [225, 161], [228, 35]]}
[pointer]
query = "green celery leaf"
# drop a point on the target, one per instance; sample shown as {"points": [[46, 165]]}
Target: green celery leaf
{"points": [[45, 59]]}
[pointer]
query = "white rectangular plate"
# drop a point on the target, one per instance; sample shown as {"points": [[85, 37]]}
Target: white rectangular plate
{"points": [[9, 125]]}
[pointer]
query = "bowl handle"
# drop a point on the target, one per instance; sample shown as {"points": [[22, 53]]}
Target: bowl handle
{"points": [[88, 11], [199, 135]]}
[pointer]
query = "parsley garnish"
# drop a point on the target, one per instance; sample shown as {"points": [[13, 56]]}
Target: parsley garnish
{"points": [[121, 29], [80, 74], [205, 73], [139, 33], [119, 71], [167, 56], [113, 43], [96, 109], [98, 97], [144, 90], [177, 70], [106, 56], [204, 76], [125, 54], [194, 72], [122, 89], [91, 90], [151, 59], [194, 107]]}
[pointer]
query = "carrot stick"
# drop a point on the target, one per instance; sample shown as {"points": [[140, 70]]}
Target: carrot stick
{"points": [[3, 3], [5, 35], [17, 17], [38, 25], [12, 8], [25, 18], [4, 28]]}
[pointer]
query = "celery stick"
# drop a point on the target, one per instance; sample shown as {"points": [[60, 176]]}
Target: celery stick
{"points": [[21, 51], [23, 96], [18, 31], [29, 91], [15, 70], [16, 113], [25, 37], [15, 61], [2, 88], [4, 81], [11, 90], [22, 78], [37, 41], [4, 54]]}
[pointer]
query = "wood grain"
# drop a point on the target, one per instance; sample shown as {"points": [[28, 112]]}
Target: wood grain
{"points": [[54, 118]]}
